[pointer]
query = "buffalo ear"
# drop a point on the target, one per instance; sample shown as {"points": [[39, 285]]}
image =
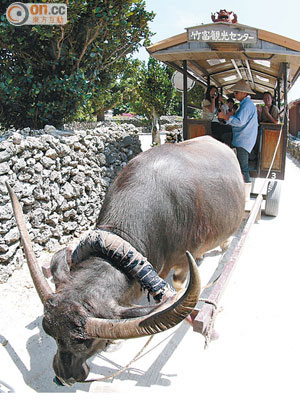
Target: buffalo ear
{"points": [[167, 314], [60, 266]]}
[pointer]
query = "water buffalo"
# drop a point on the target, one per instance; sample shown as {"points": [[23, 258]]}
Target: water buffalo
{"points": [[168, 201]]}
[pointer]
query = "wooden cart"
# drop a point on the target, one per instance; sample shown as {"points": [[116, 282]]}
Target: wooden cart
{"points": [[221, 54]]}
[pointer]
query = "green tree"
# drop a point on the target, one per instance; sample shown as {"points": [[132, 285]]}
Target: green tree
{"points": [[195, 97], [115, 86], [113, 90], [48, 72], [154, 93]]}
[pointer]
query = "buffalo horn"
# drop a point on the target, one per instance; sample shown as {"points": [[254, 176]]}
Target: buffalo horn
{"points": [[40, 283], [165, 316]]}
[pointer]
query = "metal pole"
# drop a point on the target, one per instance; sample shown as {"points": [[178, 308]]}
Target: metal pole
{"points": [[185, 122]]}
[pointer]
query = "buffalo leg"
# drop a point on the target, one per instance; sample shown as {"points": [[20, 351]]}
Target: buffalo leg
{"points": [[180, 276]]}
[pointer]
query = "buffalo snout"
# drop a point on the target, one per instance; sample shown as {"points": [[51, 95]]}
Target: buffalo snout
{"points": [[69, 369]]}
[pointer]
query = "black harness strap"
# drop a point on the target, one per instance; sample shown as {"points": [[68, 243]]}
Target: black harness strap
{"points": [[125, 258]]}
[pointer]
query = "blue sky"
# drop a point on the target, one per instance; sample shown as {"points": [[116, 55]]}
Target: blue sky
{"points": [[173, 16]]}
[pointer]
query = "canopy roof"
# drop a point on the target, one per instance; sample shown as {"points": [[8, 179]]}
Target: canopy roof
{"points": [[223, 53]]}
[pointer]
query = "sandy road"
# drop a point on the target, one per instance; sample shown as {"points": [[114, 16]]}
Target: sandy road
{"points": [[255, 357]]}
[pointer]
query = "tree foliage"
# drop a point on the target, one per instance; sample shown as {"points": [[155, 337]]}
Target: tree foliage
{"points": [[195, 96], [194, 100], [154, 91], [116, 88], [48, 72]]}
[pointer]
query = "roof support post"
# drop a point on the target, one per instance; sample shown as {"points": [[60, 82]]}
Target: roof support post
{"points": [[278, 92], [285, 119], [185, 125]]}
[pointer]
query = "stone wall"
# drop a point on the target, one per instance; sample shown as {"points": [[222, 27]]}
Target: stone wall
{"points": [[60, 179], [167, 123], [294, 148]]}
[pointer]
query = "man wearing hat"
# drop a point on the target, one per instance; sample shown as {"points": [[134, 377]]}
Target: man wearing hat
{"points": [[244, 126]]}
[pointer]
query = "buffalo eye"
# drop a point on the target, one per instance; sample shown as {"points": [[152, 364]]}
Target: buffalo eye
{"points": [[46, 328]]}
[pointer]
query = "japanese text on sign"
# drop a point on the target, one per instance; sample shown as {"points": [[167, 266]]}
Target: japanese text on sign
{"points": [[222, 35]]}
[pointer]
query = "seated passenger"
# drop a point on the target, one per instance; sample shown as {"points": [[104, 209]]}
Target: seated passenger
{"points": [[235, 107], [230, 103], [222, 106], [269, 112]]}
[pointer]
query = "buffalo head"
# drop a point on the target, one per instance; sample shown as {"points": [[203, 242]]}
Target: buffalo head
{"points": [[92, 305]]}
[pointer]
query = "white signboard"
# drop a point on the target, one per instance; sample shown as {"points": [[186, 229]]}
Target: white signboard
{"points": [[222, 34]]}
